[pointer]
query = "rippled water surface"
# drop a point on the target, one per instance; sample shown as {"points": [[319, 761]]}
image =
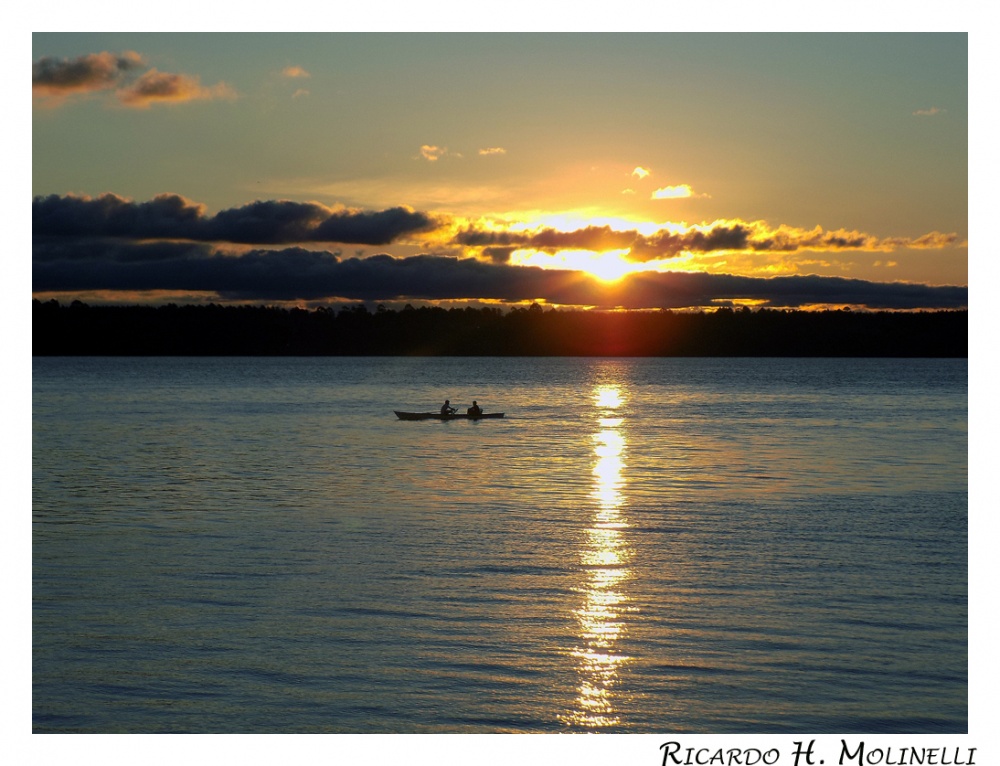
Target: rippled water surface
{"points": [[669, 545]]}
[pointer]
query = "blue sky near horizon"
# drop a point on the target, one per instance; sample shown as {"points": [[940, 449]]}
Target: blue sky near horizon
{"points": [[763, 155]]}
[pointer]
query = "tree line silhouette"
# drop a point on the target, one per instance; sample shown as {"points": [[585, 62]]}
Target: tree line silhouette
{"points": [[217, 330]]}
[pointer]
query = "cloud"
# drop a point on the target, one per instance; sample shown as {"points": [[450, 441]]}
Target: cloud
{"points": [[50, 250], [750, 237], [931, 241], [498, 254], [759, 237], [170, 243], [492, 150], [928, 112], [371, 228], [672, 192], [298, 274], [170, 216], [679, 289], [165, 216], [432, 153], [641, 172], [162, 87], [294, 72], [56, 79], [596, 238], [52, 77]]}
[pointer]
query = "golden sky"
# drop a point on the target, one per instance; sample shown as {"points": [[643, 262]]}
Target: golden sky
{"points": [[318, 168]]}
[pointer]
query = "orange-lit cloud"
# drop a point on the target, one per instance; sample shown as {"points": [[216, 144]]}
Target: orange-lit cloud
{"points": [[641, 172], [58, 78], [433, 153], [291, 274], [673, 192], [172, 243], [161, 87], [595, 238], [492, 150], [54, 80], [759, 236], [294, 71], [674, 240]]}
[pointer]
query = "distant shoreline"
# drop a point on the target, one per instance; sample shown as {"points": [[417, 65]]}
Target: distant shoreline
{"points": [[214, 330]]}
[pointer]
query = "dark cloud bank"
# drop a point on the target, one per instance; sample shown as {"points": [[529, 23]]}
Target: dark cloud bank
{"points": [[108, 243], [170, 216], [298, 274]]}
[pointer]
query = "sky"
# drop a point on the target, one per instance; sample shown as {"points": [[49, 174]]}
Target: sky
{"points": [[585, 169]]}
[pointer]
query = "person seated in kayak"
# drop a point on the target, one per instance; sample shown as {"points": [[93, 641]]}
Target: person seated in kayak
{"points": [[447, 409], [475, 409]]}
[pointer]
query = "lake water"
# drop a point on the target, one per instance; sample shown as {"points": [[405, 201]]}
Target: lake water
{"points": [[639, 546]]}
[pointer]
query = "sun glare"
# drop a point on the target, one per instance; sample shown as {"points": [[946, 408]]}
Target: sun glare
{"points": [[609, 266]]}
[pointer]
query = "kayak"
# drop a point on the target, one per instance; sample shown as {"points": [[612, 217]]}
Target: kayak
{"points": [[439, 416]]}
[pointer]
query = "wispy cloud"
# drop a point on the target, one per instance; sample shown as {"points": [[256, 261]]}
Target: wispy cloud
{"points": [[156, 87], [673, 192], [55, 80], [294, 71], [433, 153], [928, 112], [760, 237], [719, 236]]}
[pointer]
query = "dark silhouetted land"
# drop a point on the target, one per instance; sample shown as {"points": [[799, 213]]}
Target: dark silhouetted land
{"points": [[215, 330]]}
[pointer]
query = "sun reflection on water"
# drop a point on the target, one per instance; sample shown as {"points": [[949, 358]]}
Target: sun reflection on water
{"points": [[605, 557]]}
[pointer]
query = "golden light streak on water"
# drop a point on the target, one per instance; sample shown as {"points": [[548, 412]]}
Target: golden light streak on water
{"points": [[609, 397], [605, 558]]}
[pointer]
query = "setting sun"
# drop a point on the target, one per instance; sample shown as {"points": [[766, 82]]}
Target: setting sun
{"points": [[627, 195], [608, 266]]}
